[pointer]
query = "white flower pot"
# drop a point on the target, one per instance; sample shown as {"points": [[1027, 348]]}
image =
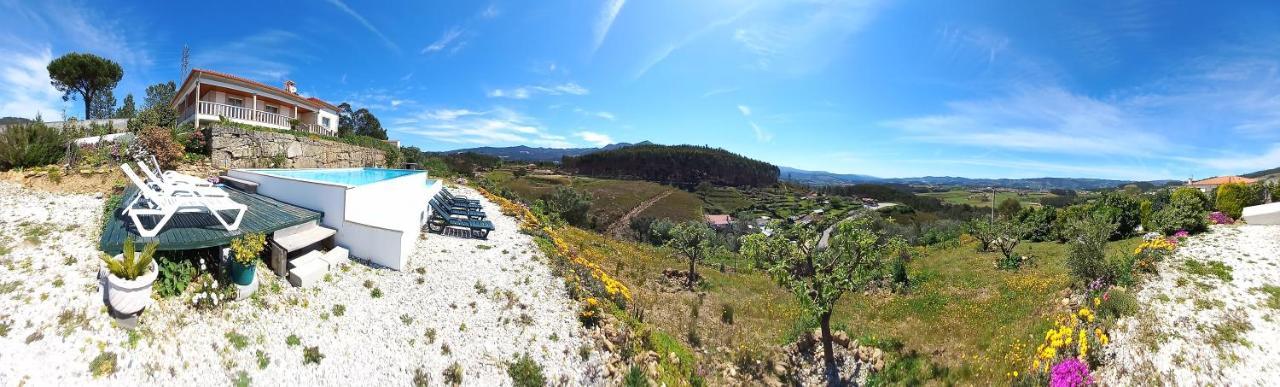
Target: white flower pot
{"points": [[131, 296]]}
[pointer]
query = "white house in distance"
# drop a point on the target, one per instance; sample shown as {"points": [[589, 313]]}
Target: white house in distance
{"points": [[206, 95]]}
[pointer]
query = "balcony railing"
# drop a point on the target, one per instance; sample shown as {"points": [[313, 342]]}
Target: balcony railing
{"points": [[243, 113], [314, 128]]}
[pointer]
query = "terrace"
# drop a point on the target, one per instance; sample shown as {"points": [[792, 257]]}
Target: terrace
{"points": [[208, 96]]}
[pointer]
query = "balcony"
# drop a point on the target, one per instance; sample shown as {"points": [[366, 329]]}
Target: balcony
{"points": [[206, 110]]}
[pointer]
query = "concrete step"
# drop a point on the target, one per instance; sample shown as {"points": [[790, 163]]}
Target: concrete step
{"points": [[308, 274], [335, 257], [295, 238], [306, 259]]}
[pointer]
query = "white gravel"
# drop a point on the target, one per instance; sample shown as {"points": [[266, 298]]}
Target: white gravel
{"points": [[1182, 334], [522, 308]]}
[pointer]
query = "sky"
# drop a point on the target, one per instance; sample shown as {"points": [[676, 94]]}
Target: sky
{"points": [[1122, 89]]}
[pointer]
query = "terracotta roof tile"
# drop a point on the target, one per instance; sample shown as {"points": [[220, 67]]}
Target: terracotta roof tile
{"points": [[1220, 180], [258, 84]]}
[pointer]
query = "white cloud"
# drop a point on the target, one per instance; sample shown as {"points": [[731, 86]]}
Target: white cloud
{"points": [[1242, 163], [268, 55], [605, 22], [746, 111], [497, 126], [600, 114], [490, 12], [24, 86], [607, 115], [597, 139], [524, 92], [798, 37], [444, 41], [365, 22], [761, 134]]}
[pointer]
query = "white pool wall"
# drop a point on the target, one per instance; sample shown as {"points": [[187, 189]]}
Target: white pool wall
{"points": [[378, 221]]}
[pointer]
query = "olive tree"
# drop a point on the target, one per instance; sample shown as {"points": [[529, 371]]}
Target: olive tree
{"points": [[695, 241], [1009, 233], [984, 231], [854, 258], [86, 75]]}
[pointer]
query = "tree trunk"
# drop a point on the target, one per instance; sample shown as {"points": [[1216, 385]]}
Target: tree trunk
{"points": [[88, 100], [691, 273], [828, 354]]}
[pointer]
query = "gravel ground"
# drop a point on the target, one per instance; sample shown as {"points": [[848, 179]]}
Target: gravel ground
{"points": [[485, 301], [1199, 328]]}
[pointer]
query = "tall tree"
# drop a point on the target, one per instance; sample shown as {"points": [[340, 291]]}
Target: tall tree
{"points": [[103, 106], [345, 125], [854, 258], [160, 94], [84, 74], [368, 125], [128, 109]]}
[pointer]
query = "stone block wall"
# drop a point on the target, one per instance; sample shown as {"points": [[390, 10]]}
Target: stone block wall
{"points": [[232, 147]]}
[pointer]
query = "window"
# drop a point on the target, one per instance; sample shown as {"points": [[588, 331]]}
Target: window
{"points": [[237, 102], [273, 109], [324, 121]]}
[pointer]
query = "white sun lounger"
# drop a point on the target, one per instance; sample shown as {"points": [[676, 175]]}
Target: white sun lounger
{"points": [[165, 206], [167, 186], [172, 177]]}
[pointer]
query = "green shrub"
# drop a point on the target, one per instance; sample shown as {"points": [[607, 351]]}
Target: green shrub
{"points": [[237, 340], [635, 378], [525, 372], [1186, 210], [175, 275], [453, 374], [1121, 269], [292, 340], [1086, 252], [1122, 209], [1039, 223], [30, 145], [726, 314], [1118, 303], [247, 247], [570, 205], [312, 355], [1232, 198]]}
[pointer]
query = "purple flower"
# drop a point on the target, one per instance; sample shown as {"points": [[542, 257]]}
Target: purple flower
{"points": [[1181, 234], [1218, 217], [1070, 372]]}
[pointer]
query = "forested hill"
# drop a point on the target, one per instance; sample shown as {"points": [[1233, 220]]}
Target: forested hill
{"points": [[681, 165]]}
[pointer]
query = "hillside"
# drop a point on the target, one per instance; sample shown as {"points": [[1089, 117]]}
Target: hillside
{"points": [[681, 165], [536, 154], [822, 178], [1262, 173]]}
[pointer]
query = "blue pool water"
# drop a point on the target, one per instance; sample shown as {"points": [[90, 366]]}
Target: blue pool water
{"points": [[352, 176]]}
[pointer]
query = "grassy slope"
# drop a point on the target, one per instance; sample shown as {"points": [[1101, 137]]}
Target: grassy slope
{"points": [[963, 315], [982, 200], [612, 198]]}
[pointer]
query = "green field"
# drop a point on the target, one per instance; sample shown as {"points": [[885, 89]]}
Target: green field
{"points": [[962, 322], [984, 199]]}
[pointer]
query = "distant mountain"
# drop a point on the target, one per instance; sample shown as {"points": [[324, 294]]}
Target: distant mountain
{"points": [[532, 154], [1262, 173], [14, 120], [828, 178]]}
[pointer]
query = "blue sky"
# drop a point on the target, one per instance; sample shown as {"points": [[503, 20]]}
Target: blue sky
{"points": [[1113, 89]]}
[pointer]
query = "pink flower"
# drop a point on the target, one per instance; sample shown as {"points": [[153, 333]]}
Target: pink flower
{"points": [[1071, 372]]}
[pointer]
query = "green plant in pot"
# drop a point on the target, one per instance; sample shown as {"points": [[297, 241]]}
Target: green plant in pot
{"points": [[130, 276], [244, 256]]}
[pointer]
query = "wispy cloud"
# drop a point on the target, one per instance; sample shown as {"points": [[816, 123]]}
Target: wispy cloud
{"points": [[761, 134], [604, 22], [1241, 163], [663, 51], [24, 86], [715, 92], [604, 115], [490, 11], [593, 138], [798, 37], [989, 44], [269, 55], [524, 92], [497, 126], [444, 41], [365, 22]]}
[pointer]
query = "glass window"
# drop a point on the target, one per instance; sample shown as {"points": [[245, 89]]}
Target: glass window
{"points": [[324, 121], [237, 102], [273, 109]]}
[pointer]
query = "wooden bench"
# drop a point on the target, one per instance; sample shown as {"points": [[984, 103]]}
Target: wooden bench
{"points": [[297, 238]]}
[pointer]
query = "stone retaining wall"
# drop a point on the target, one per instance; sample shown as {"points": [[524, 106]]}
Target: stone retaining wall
{"points": [[232, 147]]}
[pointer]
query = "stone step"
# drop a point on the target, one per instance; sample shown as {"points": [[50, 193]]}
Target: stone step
{"points": [[335, 257], [303, 236], [306, 259], [308, 274]]}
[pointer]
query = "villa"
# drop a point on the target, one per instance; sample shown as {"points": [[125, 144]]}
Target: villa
{"points": [[1208, 185], [208, 96]]}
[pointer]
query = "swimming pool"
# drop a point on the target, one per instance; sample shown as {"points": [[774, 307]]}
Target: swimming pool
{"points": [[353, 177], [377, 212]]}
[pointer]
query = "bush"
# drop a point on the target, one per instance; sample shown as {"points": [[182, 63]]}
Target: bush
{"points": [[1122, 209], [1039, 223], [1232, 198], [1065, 218], [159, 142], [1086, 257], [103, 365], [312, 355], [1186, 210], [453, 374], [570, 205], [29, 145], [525, 372], [635, 378], [726, 314], [175, 275], [1116, 303]]}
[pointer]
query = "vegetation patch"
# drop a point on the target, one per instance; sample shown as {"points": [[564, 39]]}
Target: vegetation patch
{"points": [[1213, 269], [103, 365], [525, 372]]}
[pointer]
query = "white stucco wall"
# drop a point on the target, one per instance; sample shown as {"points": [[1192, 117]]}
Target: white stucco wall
{"points": [[333, 119]]}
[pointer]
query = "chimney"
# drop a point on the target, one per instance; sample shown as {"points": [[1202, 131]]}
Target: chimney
{"points": [[291, 87]]}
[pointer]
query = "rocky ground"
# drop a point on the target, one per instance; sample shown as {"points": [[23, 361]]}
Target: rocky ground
{"points": [[477, 304], [1211, 318]]}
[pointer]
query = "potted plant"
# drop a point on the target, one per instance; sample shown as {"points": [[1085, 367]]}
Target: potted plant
{"points": [[244, 256], [131, 275]]}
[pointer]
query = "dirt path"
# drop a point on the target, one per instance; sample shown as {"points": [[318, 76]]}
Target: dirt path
{"points": [[617, 228]]}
